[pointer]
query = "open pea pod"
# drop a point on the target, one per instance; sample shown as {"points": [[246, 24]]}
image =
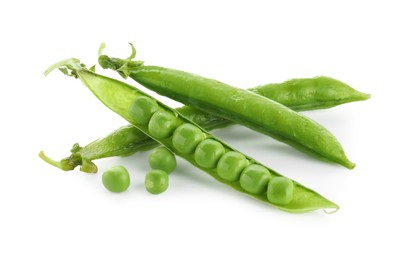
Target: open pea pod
{"points": [[162, 123]]}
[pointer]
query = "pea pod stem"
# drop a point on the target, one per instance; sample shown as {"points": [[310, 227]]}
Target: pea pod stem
{"points": [[299, 94], [255, 112], [304, 199], [64, 165], [69, 163]]}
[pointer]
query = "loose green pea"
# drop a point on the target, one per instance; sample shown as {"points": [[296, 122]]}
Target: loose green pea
{"points": [[208, 153], [255, 178], [231, 165], [142, 109], [186, 137], [162, 159], [116, 179], [280, 190], [157, 181], [162, 124]]}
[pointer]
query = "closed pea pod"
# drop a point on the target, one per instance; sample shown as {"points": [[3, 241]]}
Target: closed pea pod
{"points": [[304, 199], [256, 112]]}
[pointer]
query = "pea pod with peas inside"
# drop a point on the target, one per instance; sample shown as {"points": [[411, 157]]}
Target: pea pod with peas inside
{"points": [[298, 94], [235, 104], [205, 150]]}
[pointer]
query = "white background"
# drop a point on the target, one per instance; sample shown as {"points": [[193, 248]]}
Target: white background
{"points": [[46, 213]]}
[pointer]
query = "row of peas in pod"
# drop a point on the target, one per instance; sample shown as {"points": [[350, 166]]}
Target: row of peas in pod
{"points": [[208, 153], [232, 166]]}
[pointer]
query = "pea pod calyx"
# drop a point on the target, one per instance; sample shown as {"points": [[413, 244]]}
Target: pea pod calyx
{"points": [[69, 163], [122, 66]]}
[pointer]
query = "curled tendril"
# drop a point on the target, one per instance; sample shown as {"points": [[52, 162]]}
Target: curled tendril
{"points": [[122, 66]]}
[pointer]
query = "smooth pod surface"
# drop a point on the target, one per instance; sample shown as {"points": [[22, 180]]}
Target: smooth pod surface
{"points": [[311, 93]]}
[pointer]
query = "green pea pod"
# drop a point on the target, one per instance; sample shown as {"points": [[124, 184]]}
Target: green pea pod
{"points": [[299, 94], [237, 105], [311, 93], [126, 103]]}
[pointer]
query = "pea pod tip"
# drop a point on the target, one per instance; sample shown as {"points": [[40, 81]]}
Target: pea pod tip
{"points": [[331, 210]]}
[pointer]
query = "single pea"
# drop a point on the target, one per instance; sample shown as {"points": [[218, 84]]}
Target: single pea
{"points": [[162, 124], [280, 190], [157, 181], [230, 165], [116, 179], [186, 137], [142, 109], [208, 153], [162, 159], [255, 178]]}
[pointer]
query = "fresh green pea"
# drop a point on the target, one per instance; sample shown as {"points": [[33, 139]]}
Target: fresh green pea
{"points": [[230, 165], [162, 124], [162, 159], [142, 109], [157, 181], [208, 153], [116, 179], [255, 178], [280, 190], [186, 137]]}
